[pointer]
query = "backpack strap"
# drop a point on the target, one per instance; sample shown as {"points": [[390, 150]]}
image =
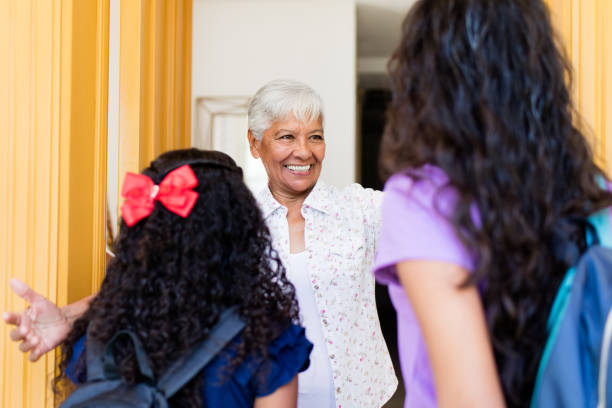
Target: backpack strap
{"points": [[101, 363], [601, 222], [186, 367], [94, 352], [601, 219]]}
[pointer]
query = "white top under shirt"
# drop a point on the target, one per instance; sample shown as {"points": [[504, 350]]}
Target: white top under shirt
{"points": [[316, 384]]}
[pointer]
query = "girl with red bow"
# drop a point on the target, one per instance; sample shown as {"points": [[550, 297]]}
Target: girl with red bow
{"points": [[192, 244]]}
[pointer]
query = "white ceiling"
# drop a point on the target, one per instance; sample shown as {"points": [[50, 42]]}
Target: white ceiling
{"points": [[379, 25]]}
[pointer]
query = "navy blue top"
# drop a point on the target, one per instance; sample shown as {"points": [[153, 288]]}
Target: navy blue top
{"points": [[288, 355]]}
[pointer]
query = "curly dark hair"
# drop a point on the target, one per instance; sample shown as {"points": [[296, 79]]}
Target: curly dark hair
{"points": [[480, 89], [172, 276]]}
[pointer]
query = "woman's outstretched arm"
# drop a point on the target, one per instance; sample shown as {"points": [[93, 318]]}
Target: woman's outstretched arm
{"points": [[42, 325]]}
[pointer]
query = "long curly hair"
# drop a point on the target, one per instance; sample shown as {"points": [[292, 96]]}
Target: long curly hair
{"points": [[172, 276], [480, 89]]}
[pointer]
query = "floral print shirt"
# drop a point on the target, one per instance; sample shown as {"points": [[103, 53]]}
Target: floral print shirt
{"points": [[341, 230]]}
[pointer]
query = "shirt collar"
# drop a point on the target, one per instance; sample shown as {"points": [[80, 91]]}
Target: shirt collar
{"points": [[267, 202], [318, 199]]}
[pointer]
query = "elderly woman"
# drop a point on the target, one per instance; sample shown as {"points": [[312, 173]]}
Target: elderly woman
{"points": [[325, 236]]}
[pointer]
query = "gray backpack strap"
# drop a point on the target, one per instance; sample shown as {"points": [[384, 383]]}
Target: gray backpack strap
{"points": [[94, 352], [101, 362], [189, 365]]}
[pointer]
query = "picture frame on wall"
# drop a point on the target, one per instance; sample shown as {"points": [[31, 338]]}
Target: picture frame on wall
{"points": [[221, 123]]}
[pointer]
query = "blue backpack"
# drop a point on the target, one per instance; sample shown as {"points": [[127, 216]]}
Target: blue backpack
{"points": [[574, 370]]}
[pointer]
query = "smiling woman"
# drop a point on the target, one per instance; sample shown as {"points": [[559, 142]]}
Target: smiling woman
{"points": [[326, 238]]}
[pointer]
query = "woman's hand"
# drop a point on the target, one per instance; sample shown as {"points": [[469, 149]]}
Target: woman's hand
{"points": [[40, 327]]}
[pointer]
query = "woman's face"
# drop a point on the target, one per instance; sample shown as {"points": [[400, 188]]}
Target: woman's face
{"points": [[292, 153]]}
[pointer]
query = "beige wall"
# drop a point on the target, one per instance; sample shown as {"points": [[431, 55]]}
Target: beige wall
{"points": [[239, 45]]}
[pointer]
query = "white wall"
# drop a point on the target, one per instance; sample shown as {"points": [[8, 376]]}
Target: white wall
{"points": [[239, 45], [112, 156]]}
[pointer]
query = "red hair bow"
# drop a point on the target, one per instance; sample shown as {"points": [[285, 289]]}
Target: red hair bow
{"points": [[175, 192]]}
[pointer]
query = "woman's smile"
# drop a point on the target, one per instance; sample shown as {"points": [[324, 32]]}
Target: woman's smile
{"points": [[300, 170]]}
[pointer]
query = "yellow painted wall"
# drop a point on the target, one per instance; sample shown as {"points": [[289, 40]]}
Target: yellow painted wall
{"points": [[53, 127], [585, 27], [52, 156]]}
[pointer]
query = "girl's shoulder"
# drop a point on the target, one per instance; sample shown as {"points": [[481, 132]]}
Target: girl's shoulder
{"points": [[427, 189], [420, 183], [416, 212], [288, 354]]}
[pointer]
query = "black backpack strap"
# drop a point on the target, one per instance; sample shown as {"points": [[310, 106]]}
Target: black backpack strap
{"points": [[186, 367], [101, 363]]}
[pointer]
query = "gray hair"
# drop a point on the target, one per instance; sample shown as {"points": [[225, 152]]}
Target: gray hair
{"points": [[277, 99]]}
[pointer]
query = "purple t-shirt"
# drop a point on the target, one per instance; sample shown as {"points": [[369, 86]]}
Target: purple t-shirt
{"points": [[414, 226]]}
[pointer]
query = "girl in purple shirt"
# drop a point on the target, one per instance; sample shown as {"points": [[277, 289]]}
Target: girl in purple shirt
{"points": [[487, 167]]}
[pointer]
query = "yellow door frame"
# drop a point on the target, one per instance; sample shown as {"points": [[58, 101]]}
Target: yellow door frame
{"points": [[154, 80], [53, 145], [586, 32], [53, 154]]}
